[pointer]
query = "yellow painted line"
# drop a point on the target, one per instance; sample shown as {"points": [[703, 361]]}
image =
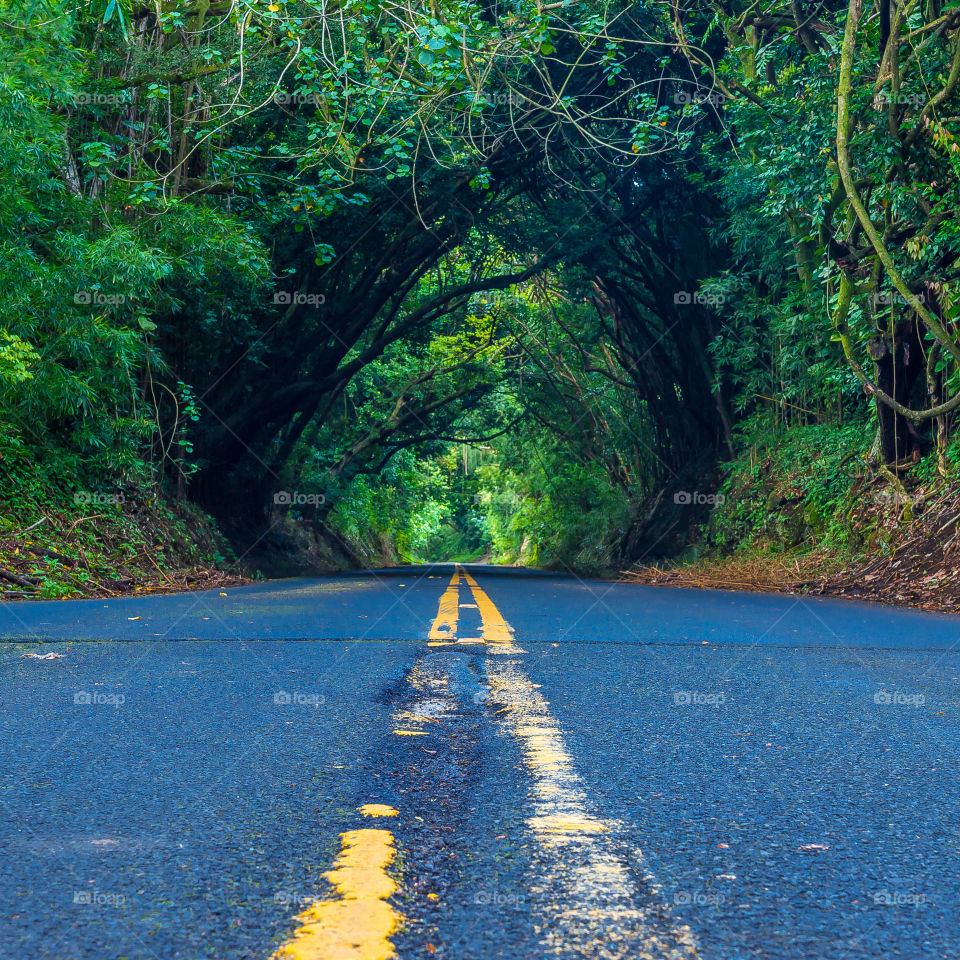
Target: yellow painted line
{"points": [[377, 810], [445, 625], [358, 922], [581, 863], [410, 733], [444, 628], [495, 628], [565, 823]]}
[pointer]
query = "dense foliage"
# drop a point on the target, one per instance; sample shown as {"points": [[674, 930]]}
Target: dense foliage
{"points": [[468, 279]]}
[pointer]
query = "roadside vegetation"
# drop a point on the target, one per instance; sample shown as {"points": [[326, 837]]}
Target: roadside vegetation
{"points": [[581, 285]]}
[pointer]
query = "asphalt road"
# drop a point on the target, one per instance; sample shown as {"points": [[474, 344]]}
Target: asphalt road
{"points": [[560, 768]]}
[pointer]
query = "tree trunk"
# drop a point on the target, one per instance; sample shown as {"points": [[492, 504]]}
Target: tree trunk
{"points": [[899, 365]]}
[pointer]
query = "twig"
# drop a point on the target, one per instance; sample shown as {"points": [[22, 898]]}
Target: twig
{"points": [[162, 574], [83, 520]]}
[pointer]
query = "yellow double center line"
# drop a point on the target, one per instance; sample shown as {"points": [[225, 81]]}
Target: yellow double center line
{"points": [[588, 877], [444, 629]]}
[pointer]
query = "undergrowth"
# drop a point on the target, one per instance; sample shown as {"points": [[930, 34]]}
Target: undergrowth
{"points": [[66, 530]]}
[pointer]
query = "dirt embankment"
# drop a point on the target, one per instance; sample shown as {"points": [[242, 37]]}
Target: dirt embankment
{"points": [[109, 545], [908, 553]]}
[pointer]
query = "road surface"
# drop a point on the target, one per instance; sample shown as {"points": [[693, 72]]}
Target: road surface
{"points": [[473, 764]]}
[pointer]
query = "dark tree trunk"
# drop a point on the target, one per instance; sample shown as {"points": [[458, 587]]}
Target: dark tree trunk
{"points": [[899, 368]]}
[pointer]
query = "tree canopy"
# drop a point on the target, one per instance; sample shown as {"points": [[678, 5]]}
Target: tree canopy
{"points": [[472, 276]]}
